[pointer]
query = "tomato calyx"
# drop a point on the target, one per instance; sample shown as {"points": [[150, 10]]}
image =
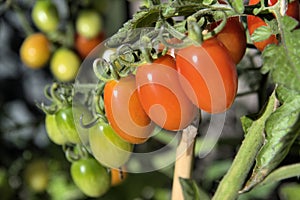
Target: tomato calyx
{"points": [[75, 152]]}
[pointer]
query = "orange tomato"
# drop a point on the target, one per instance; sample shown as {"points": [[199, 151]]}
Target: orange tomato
{"points": [[35, 51], [211, 75], [117, 176], [84, 45], [124, 111], [233, 37], [162, 96]]}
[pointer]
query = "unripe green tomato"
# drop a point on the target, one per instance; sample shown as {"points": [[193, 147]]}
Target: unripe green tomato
{"points": [[45, 15], [66, 124], [64, 64], [107, 147], [90, 177], [53, 132], [88, 24]]}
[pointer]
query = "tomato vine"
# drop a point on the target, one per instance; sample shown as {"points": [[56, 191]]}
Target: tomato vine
{"points": [[142, 58]]}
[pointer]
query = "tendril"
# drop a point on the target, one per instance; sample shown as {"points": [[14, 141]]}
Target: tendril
{"points": [[103, 70], [89, 124], [75, 152]]}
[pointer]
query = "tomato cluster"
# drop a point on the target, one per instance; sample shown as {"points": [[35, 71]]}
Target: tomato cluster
{"points": [[62, 47], [92, 174], [254, 22], [166, 90]]}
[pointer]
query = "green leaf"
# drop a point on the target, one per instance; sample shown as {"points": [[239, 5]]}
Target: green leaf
{"points": [[246, 123], [289, 191], [282, 173], [191, 190], [282, 129], [261, 33], [237, 5], [283, 61]]}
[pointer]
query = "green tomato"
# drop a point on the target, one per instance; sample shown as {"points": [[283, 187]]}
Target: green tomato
{"points": [[45, 15], [89, 24], [65, 123], [107, 147], [90, 177], [64, 64], [53, 131]]}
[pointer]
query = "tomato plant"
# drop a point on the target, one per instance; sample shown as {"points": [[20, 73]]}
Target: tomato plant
{"points": [[84, 45], [158, 85], [45, 15], [66, 124], [88, 23], [233, 37], [53, 132], [125, 112], [35, 51], [64, 64], [211, 75], [107, 147], [255, 22], [37, 175], [90, 176]]}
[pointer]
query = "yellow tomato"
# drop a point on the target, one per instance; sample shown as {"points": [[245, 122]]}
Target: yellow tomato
{"points": [[35, 51]]}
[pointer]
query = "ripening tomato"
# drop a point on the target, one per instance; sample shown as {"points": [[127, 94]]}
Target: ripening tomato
{"points": [[107, 147], [90, 177], [37, 175], [88, 23], [45, 15], [211, 74], [233, 37], [255, 22], [162, 96], [125, 112], [117, 176], [64, 64], [84, 45], [35, 51]]}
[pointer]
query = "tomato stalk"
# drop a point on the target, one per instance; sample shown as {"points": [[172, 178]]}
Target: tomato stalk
{"points": [[231, 184], [184, 161]]}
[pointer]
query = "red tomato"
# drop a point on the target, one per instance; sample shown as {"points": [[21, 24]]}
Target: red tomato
{"points": [[211, 74], [124, 110], [255, 22], [84, 45], [233, 37], [161, 94]]}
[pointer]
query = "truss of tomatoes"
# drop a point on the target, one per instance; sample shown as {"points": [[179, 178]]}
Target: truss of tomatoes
{"points": [[169, 91]]}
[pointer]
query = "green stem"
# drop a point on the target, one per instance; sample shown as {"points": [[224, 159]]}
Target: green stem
{"points": [[233, 181], [23, 20]]}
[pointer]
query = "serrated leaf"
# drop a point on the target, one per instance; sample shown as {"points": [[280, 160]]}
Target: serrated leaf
{"points": [[261, 33], [283, 61], [237, 5], [283, 93], [190, 189], [282, 128]]}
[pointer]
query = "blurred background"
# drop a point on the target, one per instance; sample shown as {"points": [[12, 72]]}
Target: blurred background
{"points": [[31, 166]]}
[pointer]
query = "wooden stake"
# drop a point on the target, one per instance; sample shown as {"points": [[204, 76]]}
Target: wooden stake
{"points": [[184, 160]]}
